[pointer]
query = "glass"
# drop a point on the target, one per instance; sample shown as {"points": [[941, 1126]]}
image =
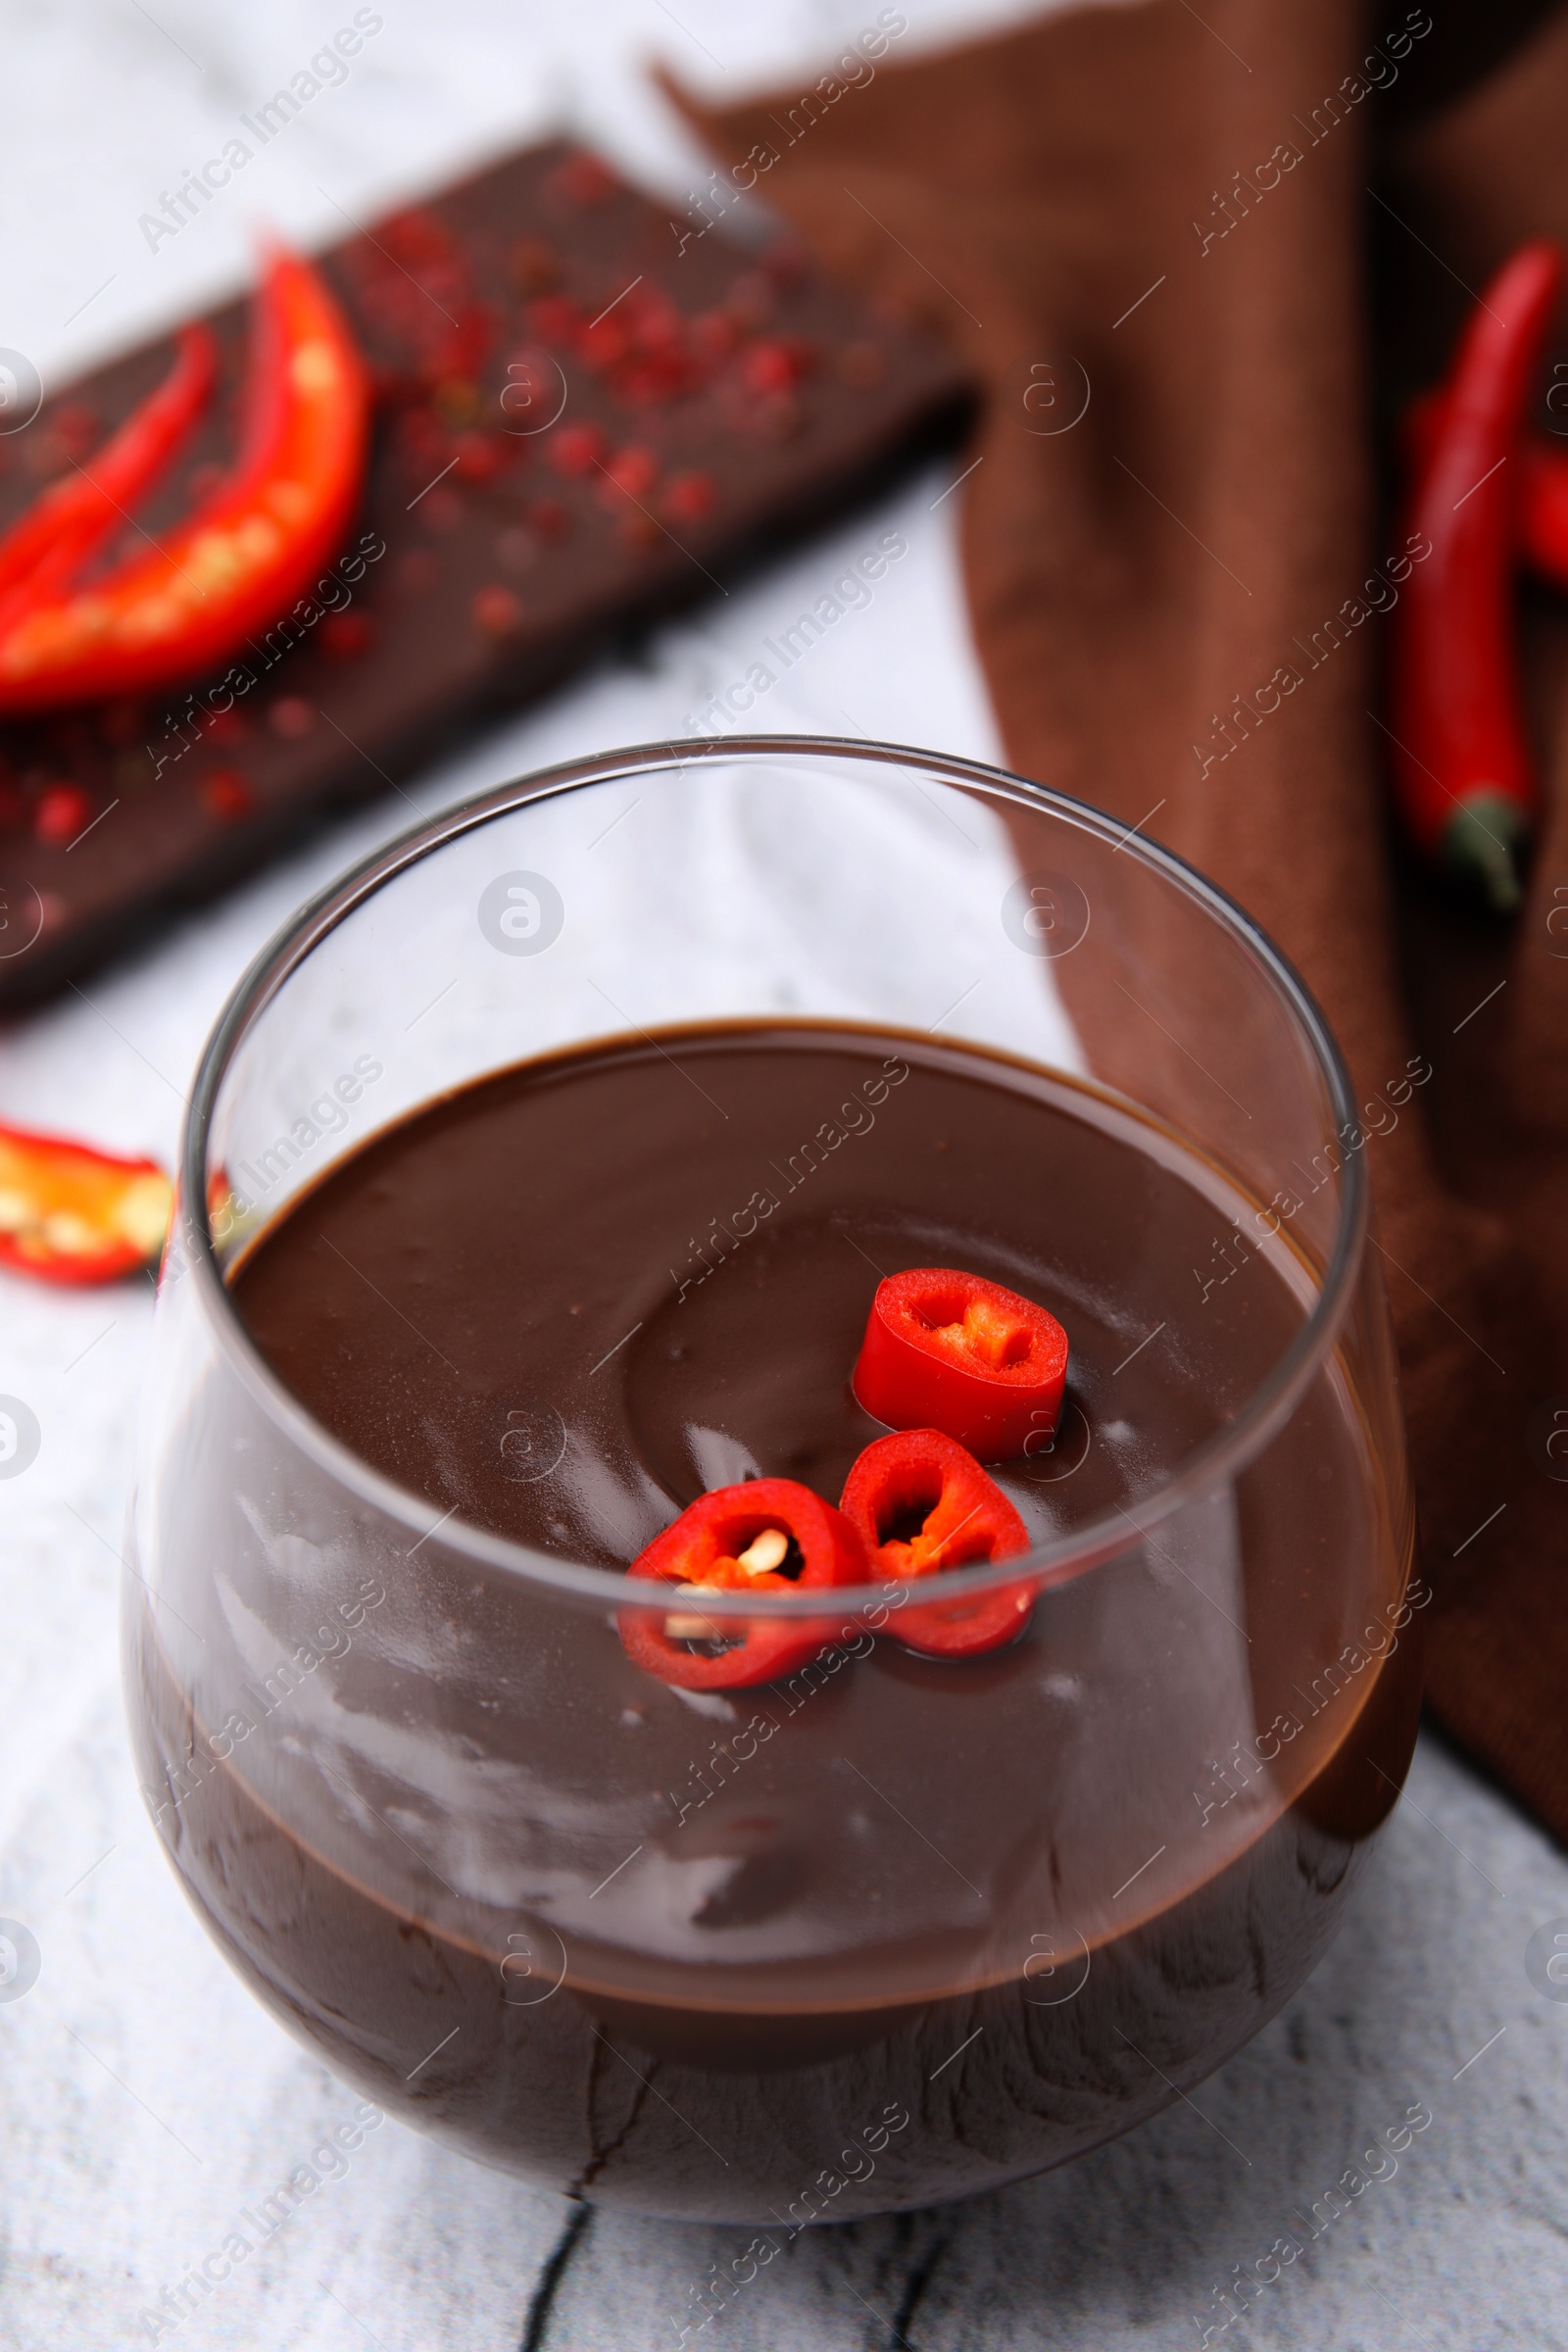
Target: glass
{"points": [[387, 1750]]}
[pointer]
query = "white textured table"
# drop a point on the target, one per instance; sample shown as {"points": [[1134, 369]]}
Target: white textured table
{"points": [[145, 2101]]}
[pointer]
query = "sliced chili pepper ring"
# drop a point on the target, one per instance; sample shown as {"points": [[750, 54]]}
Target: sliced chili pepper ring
{"points": [[949, 1351], [921, 1504], [70, 1214], [740, 1539]]}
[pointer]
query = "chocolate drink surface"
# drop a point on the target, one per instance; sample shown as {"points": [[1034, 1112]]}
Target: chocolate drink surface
{"points": [[893, 1928]]}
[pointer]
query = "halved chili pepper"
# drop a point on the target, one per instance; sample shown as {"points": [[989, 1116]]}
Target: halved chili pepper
{"points": [[247, 551], [766, 1535], [74, 1215], [920, 1503], [1461, 767], [57, 534], [954, 1352]]}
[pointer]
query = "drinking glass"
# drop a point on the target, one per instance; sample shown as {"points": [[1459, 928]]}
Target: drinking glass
{"points": [[401, 1762]]}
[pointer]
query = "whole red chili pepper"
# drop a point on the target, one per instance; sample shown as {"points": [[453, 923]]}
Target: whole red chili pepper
{"points": [[57, 534], [920, 1504], [70, 1214], [952, 1351], [247, 551], [766, 1535], [1462, 773]]}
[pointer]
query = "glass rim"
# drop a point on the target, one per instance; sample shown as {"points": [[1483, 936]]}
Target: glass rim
{"points": [[1044, 1565]]}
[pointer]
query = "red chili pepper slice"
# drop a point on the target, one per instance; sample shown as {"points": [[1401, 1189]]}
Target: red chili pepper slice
{"points": [[920, 1504], [740, 1540], [71, 1215], [57, 534], [954, 1352], [247, 551], [1461, 766]]}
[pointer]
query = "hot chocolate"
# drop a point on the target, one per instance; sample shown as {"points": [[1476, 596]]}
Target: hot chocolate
{"points": [[696, 1953]]}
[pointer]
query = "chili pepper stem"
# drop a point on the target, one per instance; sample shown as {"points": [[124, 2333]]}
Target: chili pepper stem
{"points": [[1484, 842]]}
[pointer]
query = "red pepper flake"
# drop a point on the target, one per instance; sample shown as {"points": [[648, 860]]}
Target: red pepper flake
{"points": [[605, 342], [768, 1535], [497, 612], [655, 376], [226, 794], [655, 323], [63, 811], [292, 717], [464, 348], [553, 318], [417, 234], [921, 1504], [441, 509], [575, 449], [631, 471], [773, 367], [638, 529], [689, 497], [949, 1351], [480, 457], [345, 636]]}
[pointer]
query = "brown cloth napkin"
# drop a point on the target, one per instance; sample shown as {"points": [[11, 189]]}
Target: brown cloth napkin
{"points": [[1184, 205]]}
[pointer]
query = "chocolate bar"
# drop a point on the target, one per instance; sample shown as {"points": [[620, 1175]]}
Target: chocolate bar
{"points": [[587, 415]]}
